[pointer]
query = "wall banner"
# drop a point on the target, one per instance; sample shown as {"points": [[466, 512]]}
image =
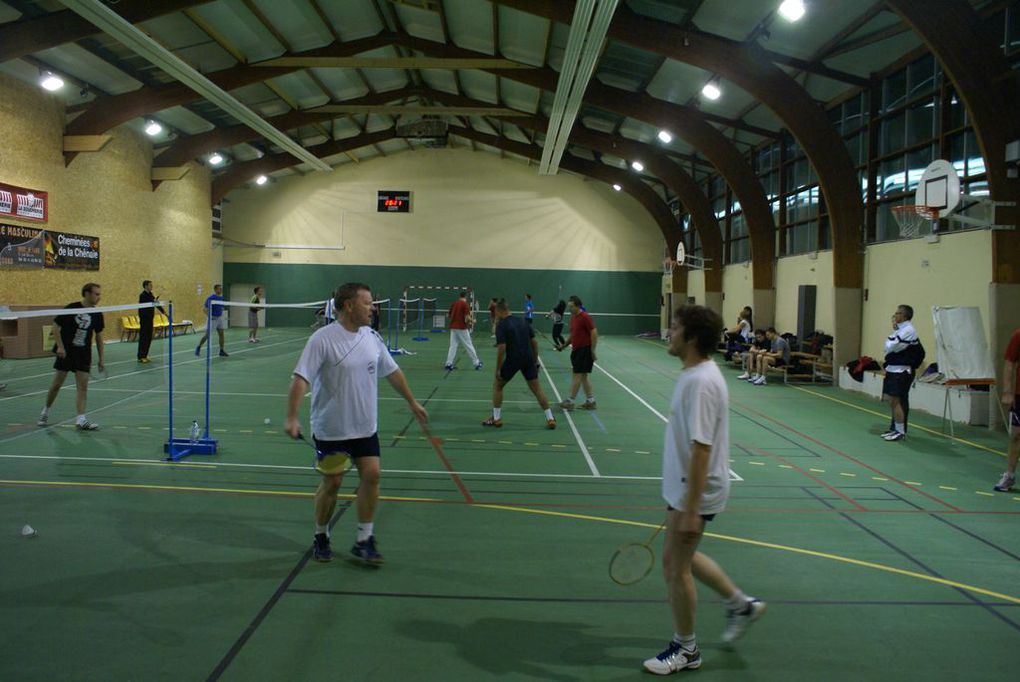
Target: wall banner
{"points": [[30, 247]]}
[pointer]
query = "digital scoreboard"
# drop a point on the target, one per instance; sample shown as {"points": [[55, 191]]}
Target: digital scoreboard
{"points": [[394, 201]]}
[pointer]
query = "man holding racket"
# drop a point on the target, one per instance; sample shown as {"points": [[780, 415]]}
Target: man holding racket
{"points": [[73, 349], [343, 362], [695, 485]]}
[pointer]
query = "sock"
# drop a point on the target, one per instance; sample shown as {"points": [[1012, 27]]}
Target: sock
{"points": [[737, 602], [365, 531], [497, 412], [81, 419], [901, 427], [45, 412], [688, 642], [322, 529], [548, 414]]}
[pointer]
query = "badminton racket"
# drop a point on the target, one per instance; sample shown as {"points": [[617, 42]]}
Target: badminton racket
{"points": [[632, 562], [329, 463]]}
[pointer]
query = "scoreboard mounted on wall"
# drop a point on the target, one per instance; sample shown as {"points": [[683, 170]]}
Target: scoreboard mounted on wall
{"points": [[394, 201]]}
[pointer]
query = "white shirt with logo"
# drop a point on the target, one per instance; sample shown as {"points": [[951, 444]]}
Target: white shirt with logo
{"points": [[698, 412], [343, 369]]}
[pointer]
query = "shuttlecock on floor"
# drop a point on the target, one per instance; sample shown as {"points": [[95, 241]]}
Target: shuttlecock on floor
{"points": [[265, 421], [28, 532]]}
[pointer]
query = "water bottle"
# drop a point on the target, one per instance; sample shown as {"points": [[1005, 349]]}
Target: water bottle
{"points": [[196, 432]]}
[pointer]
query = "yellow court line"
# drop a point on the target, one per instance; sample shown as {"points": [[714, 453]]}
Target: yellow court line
{"points": [[915, 426], [770, 545], [195, 489], [542, 512]]}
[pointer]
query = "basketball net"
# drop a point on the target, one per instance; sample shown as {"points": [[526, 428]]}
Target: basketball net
{"points": [[912, 217]]}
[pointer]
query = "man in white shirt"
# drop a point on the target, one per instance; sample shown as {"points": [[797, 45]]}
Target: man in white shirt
{"points": [[695, 486], [899, 371], [342, 363]]}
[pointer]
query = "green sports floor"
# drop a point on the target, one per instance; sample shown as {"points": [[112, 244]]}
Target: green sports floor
{"points": [[878, 560]]}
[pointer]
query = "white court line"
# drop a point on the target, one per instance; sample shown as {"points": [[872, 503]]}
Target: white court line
{"points": [[284, 395], [309, 469], [202, 358], [584, 448], [733, 475]]}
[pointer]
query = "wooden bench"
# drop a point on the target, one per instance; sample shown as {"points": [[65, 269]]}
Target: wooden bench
{"points": [[806, 368]]}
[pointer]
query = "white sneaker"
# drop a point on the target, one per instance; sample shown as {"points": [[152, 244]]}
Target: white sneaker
{"points": [[738, 621], [672, 659], [745, 375], [44, 420], [1005, 483], [760, 381], [894, 436], [753, 378], [86, 425]]}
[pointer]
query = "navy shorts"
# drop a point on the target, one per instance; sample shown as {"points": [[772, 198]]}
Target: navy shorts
{"points": [[581, 360], [897, 384], [508, 369], [353, 448], [74, 360]]}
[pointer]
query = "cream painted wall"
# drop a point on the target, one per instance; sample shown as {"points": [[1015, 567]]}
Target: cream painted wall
{"points": [[696, 285], [958, 272], [468, 209], [737, 287], [793, 271], [163, 235]]}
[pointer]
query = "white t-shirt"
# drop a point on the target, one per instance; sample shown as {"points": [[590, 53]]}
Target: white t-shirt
{"points": [[344, 369], [698, 411]]}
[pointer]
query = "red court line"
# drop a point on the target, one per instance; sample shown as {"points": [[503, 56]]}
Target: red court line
{"points": [[846, 456]]}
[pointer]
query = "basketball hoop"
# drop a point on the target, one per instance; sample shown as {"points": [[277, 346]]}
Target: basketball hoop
{"points": [[911, 217]]}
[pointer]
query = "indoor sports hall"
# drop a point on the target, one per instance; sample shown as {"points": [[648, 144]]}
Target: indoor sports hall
{"points": [[522, 187]]}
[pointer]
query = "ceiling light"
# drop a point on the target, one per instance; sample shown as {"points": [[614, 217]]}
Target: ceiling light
{"points": [[216, 159], [665, 136], [152, 128], [792, 10], [261, 180], [50, 81], [637, 165], [617, 187], [711, 90]]}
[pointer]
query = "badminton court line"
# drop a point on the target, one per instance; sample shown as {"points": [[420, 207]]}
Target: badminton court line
{"points": [[573, 428], [284, 395], [734, 476]]}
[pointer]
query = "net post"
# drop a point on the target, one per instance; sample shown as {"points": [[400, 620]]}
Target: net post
{"points": [[208, 365], [170, 381], [421, 317], [177, 449]]}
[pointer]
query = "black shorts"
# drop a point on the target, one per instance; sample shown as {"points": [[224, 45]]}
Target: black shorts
{"points": [[897, 384], [509, 368], [74, 360], [581, 360], [1014, 414], [353, 448], [705, 517]]}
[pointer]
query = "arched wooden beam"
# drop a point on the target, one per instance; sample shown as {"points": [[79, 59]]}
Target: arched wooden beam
{"points": [[685, 124], [973, 60], [751, 68], [20, 38], [645, 195], [113, 111], [194, 146], [241, 173]]}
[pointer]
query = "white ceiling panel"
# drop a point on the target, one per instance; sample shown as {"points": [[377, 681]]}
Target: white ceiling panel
{"points": [[377, 122], [479, 85], [823, 20], [82, 64], [394, 146], [877, 56], [470, 24], [245, 152], [439, 79], [677, 82], [419, 22], [297, 22], [8, 13], [301, 89], [733, 19], [384, 79], [342, 83], [352, 19], [185, 120], [522, 36], [519, 96], [241, 29]]}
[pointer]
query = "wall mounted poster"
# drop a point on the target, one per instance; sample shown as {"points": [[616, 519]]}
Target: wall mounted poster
{"points": [[30, 247], [23, 204]]}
